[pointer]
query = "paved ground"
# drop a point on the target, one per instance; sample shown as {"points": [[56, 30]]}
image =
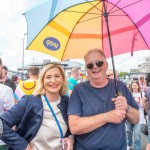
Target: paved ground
{"points": [[144, 142]]}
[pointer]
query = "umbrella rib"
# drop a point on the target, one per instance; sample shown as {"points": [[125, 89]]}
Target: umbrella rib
{"points": [[118, 15], [90, 19], [139, 32], [93, 5], [125, 6], [73, 29], [81, 12], [114, 6], [100, 16]]}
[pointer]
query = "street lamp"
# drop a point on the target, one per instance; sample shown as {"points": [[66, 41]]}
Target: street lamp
{"points": [[23, 55]]}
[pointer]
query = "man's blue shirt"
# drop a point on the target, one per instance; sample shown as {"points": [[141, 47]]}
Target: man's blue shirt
{"points": [[87, 101]]}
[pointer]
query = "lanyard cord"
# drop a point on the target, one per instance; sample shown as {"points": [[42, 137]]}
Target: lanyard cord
{"points": [[51, 109]]}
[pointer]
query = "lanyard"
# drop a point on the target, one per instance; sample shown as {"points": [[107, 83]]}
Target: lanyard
{"points": [[51, 109]]}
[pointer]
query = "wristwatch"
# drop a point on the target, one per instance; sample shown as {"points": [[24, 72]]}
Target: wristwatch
{"points": [[128, 109]]}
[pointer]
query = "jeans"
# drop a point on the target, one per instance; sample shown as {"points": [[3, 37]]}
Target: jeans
{"points": [[148, 125], [133, 133]]}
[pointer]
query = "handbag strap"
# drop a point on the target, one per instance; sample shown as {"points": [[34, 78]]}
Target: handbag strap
{"points": [[51, 109]]}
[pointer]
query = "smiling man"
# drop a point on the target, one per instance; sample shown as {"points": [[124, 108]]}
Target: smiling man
{"points": [[96, 117]]}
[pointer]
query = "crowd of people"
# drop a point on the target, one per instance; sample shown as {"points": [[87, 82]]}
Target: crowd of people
{"points": [[50, 112]]}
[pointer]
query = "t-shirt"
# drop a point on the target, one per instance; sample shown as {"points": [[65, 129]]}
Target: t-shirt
{"points": [[6, 100], [48, 136], [137, 97], [72, 83], [87, 101], [10, 83], [25, 88]]}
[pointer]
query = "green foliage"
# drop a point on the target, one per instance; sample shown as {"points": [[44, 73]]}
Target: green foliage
{"points": [[122, 74]]}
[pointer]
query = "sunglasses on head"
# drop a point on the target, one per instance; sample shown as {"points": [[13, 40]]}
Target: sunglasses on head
{"points": [[97, 63]]}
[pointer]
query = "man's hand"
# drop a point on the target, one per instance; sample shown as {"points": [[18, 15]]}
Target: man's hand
{"points": [[115, 116], [120, 103]]}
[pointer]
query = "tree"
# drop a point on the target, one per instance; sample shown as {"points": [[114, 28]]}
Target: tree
{"points": [[122, 74]]}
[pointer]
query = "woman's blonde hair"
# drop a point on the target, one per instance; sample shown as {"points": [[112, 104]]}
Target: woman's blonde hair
{"points": [[40, 89]]}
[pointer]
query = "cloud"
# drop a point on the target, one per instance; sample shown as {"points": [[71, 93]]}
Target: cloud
{"points": [[13, 27], [125, 62]]}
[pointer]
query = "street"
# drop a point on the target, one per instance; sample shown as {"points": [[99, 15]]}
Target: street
{"points": [[144, 141]]}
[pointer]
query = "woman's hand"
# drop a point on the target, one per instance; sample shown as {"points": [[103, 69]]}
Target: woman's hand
{"points": [[28, 147], [68, 143]]}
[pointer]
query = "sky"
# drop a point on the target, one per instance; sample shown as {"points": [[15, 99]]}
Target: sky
{"points": [[13, 27]]}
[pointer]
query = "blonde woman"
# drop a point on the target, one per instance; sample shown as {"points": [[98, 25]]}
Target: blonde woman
{"points": [[41, 118]]}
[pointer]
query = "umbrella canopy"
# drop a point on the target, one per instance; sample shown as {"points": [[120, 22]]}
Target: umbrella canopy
{"points": [[68, 29]]}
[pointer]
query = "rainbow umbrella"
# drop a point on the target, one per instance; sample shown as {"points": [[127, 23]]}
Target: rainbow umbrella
{"points": [[67, 29]]}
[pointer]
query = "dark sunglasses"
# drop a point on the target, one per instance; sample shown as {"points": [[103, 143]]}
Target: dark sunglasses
{"points": [[109, 75], [97, 63]]}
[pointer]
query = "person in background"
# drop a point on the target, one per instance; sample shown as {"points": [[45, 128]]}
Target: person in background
{"points": [[41, 118], [142, 83], [110, 73], [96, 116], [6, 100], [135, 79], [134, 131], [81, 77], [147, 79], [146, 104], [16, 79], [28, 86], [73, 80], [6, 80]]}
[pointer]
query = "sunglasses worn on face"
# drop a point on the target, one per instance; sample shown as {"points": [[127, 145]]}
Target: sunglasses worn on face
{"points": [[109, 75], [97, 63]]}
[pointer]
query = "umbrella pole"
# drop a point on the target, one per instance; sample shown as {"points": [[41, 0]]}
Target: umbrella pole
{"points": [[110, 45]]}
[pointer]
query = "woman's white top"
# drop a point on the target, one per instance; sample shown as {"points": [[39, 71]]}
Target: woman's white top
{"points": [[141, 108], [48, 136]]}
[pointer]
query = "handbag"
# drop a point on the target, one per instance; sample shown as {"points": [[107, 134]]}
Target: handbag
{"points": [[145, 129]]}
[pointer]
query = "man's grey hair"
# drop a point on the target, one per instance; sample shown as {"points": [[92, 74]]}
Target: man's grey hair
{"points": [[94, 50]]}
